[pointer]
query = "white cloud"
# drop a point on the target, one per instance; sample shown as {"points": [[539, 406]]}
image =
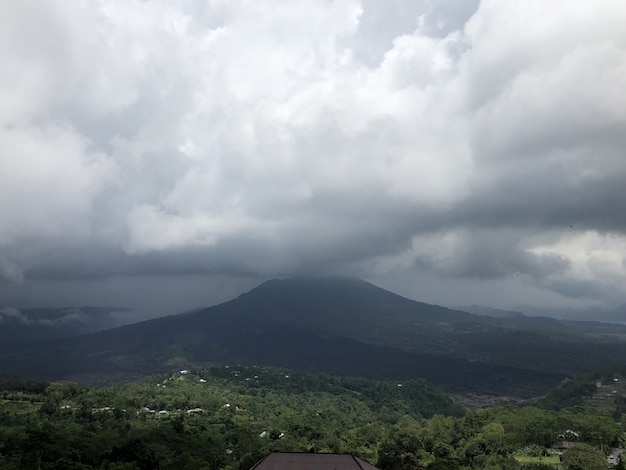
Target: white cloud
{"points": [[15, 314], [50, 179], [596, 263]]}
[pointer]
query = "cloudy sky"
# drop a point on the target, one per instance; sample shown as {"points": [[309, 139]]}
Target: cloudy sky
{"points": [[166, 154]]}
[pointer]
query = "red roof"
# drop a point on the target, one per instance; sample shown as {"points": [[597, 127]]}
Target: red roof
{"points": [[302, 461]]}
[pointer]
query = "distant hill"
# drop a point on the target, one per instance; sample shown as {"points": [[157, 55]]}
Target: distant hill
{"points": [[491, 312], [615, 315], [339, 326]]}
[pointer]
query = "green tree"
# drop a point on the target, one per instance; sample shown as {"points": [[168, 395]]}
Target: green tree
{"points": [[584, 457]]}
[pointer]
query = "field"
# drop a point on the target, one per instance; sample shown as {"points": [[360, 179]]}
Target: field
{"points": [[553, 460]]}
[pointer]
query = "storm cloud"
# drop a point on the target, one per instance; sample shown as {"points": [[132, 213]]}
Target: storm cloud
{"points": [[442, 142]]}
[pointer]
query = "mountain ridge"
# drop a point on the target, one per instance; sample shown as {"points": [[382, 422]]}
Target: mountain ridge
{"points": [[344, 326]]}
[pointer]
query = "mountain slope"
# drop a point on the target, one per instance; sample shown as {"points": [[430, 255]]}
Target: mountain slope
{"points": [[356, 309], [339, 326]]}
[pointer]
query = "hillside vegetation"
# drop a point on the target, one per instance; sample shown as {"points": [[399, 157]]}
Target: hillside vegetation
{"points": [[229, 417]]}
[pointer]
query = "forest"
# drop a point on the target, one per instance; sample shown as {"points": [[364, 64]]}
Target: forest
{"points": [[230, 417]]}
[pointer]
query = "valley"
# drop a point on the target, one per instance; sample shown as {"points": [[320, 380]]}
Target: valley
{"points": [[321, 365], [230, 417]]}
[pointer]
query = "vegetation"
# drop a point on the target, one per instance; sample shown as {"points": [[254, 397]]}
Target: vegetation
{"points": [[229, 417], [584, 457]]}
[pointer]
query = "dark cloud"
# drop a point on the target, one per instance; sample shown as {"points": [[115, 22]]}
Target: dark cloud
{"points": [[455, 142], [493, 255], [545, 198]]}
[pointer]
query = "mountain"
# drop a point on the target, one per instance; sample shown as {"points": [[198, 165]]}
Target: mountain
{"points": [[339, 326]]}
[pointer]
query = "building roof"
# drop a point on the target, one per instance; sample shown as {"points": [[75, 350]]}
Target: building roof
{"points": [[303, 461]]}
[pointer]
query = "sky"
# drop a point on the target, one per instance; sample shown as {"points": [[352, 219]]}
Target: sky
{"points": [[165, 155]]}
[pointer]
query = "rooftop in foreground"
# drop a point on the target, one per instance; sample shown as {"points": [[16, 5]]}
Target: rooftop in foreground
{"points": [[303, 461]]}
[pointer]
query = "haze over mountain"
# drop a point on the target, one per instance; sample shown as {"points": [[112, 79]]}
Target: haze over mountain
{"points": [[615, 315], [490, 312], [38, 324], [342, 326]]}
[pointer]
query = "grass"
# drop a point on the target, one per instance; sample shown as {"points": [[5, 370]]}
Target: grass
{"points": [[547, 460]]}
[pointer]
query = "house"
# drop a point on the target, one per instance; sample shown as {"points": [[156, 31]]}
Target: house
{"points": [[303, 461], [568, 435], [564, 445]]}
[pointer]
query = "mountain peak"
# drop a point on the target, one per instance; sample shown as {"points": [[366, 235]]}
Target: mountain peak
{"points": [[313, 282], [320, 290], [339, 302]]}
